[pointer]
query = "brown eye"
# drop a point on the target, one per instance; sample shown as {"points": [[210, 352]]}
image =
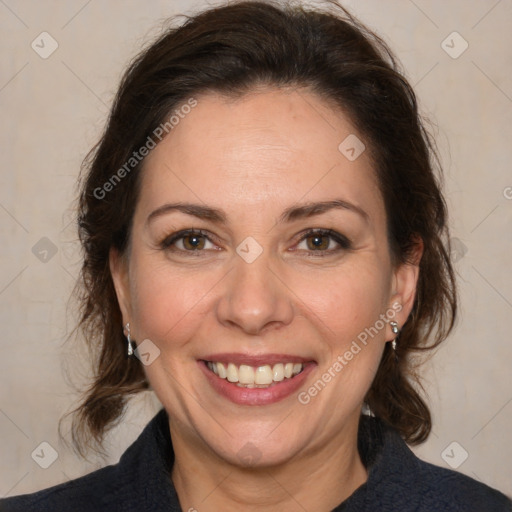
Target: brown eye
{"points": [[187, 241], [317, 242], [323, 242], [193, 242]]}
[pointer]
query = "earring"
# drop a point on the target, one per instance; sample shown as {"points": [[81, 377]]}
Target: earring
{"points": [[129, 340], [366, 410], [395, 331]]}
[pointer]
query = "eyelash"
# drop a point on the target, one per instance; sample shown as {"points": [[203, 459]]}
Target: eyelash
{"points": [[340, 239]]}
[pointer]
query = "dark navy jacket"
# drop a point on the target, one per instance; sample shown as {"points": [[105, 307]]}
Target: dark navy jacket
{"points": [[140, 482]]}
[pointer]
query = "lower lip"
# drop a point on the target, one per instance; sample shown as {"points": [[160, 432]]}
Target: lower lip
{"points": [[256, 396]]}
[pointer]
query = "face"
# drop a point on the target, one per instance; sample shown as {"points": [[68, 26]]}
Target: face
{"points": [[259, 253]]}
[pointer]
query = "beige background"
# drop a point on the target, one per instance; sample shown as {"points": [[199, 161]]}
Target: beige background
{"points": [[52, 112]]}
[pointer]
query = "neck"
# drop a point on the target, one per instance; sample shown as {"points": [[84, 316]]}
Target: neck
{"points": [[318, 480]]}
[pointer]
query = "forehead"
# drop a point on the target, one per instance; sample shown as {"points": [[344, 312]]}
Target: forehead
{"points": [[266, 148]]}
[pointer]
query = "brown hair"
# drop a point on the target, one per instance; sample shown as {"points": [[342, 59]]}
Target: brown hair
{"points": [[231, 49]]}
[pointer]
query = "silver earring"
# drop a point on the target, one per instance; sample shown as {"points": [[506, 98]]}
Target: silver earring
{"points": [[129, 340], [395, 331], [366, 410]]}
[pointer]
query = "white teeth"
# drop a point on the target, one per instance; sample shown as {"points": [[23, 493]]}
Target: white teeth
{"points": [[278, 372], [221, 370], [232, 373], [246, 374], [263, 375], [250, 377]]}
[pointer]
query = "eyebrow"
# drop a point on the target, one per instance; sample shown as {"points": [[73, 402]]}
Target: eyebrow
{"points": [[291, 214]]}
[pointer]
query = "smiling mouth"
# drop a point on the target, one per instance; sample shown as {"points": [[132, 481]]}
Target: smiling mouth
{"points": [[263, 376]]}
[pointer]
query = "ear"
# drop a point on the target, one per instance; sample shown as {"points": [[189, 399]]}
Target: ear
{"points": [[119, 271], [404, 283]]}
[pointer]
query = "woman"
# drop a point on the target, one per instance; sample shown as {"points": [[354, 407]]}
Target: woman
{"points": [[263, 234]]}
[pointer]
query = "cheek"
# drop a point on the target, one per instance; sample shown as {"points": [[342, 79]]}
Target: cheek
{"points": [[346, 301], [347, 307], [171, 305], [167, 304]]}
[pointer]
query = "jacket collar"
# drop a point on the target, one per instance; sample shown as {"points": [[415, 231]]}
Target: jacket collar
{"points": [[146, 467]]}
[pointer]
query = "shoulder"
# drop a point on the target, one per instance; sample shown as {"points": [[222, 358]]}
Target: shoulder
{"points": [[84, 494], [139, 481], [399, 480], [448, 490]]}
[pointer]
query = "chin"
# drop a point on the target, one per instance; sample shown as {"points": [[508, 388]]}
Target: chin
{"points": [[268, 448]]}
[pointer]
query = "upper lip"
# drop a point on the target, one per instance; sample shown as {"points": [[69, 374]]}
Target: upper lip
{"points": [[256, 359]]}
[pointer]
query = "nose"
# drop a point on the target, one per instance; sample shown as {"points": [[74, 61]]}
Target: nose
{"points": [[255, 298]]}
